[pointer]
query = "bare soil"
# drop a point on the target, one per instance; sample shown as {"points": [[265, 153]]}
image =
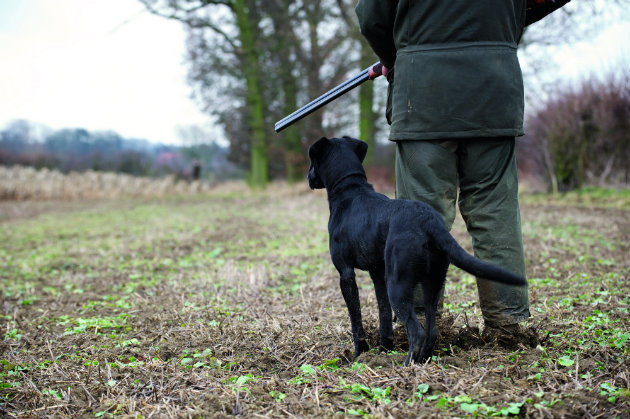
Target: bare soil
{"points": [[228, 305]]}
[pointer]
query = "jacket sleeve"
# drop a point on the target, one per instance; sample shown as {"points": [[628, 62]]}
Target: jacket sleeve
{"points": [[376, 21], [538, 9]]}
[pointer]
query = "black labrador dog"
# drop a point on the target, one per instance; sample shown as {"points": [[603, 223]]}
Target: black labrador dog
{"points": [[401, 243]]}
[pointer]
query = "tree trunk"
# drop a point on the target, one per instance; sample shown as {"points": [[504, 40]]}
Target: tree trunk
{"points": [[314, 123], [294, 158], [367, 116], [287, 57], [258, 176]]}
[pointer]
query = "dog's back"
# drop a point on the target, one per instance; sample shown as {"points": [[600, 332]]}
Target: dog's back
{"points": [[376, 219]]}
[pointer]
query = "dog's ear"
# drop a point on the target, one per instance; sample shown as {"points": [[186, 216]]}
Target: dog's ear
{"points": [[316, 149], [315, 152], [359, 147]]}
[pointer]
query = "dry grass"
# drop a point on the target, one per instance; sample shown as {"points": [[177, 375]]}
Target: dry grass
{"points": [[25, 183], [227, 305]]}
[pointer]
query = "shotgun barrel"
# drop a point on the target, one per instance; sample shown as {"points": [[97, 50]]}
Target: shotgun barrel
{"points": [[369, 73]]}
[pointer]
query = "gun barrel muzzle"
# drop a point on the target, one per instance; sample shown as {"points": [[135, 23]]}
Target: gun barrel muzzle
{"points": [[368, 74]]}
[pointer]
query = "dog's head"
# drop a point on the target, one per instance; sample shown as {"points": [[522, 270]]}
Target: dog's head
{"points": [[332, 158]]}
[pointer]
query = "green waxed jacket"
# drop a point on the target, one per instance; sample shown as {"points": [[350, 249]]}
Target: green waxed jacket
{"points": [[456, 72]]}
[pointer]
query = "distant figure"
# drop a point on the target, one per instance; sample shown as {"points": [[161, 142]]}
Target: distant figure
{"points": [[196, 172]]}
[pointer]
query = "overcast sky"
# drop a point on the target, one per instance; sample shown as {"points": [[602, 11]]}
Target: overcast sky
{"points": [[99, 65], [109, 65]]}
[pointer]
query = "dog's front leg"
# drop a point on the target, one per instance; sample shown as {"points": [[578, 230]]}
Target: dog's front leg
{"points": [[350, 293], [386, 331]]}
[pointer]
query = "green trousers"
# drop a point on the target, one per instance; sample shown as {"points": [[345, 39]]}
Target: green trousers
{"points": [[484, 171]]}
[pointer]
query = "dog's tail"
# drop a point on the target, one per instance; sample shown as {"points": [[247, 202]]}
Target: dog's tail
{"points": [[460, 258]]}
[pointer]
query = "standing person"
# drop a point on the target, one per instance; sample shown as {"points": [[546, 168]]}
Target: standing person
{"points": [[455, 105], [196, 170]]}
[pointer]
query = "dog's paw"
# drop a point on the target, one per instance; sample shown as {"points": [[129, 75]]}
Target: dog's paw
{"points": [[360, 346], [407, 360], [386, 344], [416, 359]]}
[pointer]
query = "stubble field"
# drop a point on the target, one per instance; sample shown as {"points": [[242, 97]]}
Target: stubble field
{"points": [[227, 305]]}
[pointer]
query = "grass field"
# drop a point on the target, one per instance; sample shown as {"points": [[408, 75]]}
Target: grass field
{"points": [[228, 305]]}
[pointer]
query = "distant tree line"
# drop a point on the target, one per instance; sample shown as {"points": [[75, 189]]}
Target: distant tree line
{"points": [[579, 136], [77, 149]]}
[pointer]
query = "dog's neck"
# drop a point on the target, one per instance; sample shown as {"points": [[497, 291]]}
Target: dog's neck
{"points": [[337, 189]]}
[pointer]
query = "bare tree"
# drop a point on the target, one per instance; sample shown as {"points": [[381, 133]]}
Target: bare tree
{"points": [[254, 61], [234, 26]]}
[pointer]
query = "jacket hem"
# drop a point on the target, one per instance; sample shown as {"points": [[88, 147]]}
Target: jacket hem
{"points": [[456, 46], [438, 135]]}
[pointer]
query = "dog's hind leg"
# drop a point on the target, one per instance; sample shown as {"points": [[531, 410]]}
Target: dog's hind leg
{"points": [[431, 286], [350, 294], [386, 331], [430, 327], [400, 292]]}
